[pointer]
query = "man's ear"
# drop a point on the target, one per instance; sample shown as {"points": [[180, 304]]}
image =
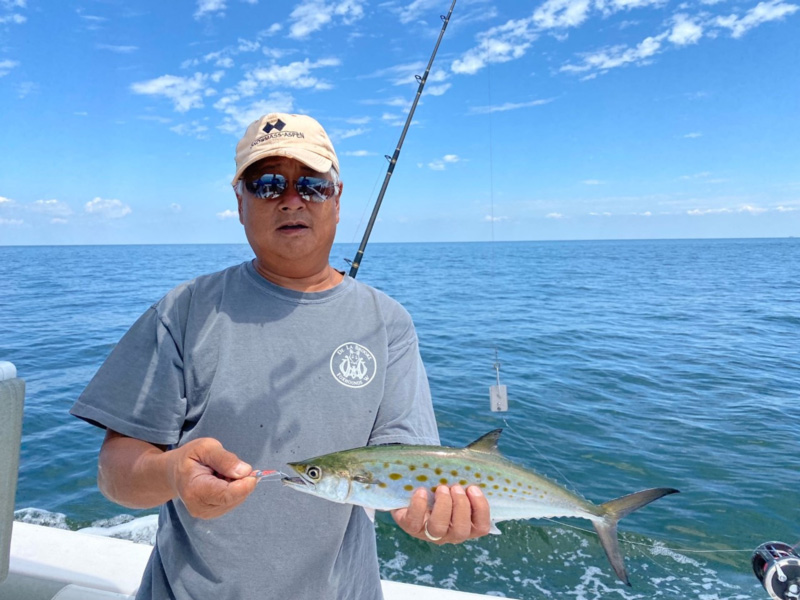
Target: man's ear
{"points": [[236, 190]]}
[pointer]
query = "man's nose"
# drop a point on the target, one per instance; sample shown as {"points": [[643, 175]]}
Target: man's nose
{"points": [[291, 200]]}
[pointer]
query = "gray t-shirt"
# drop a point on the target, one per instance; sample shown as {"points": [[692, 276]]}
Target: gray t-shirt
{"points": [[277, 376]]}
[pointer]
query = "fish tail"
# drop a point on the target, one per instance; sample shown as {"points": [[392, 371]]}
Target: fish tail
{"points": [[611, 512]]}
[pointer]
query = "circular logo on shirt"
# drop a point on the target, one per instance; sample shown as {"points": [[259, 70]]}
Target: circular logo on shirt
{"points": [[353, 365]]}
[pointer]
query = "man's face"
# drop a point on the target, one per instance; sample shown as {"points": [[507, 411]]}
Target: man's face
{"points": [[290, 236]]}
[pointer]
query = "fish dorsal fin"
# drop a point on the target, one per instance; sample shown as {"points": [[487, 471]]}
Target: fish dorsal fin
{"points": [[487, 443]]}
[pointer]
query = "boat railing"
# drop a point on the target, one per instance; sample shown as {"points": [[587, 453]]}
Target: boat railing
{"points": [[12, 398]]}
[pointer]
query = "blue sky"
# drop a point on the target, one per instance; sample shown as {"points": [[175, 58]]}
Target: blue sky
{"points": [[549, 119]]}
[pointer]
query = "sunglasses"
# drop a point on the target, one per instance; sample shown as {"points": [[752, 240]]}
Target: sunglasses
{"points": [[311, 189]]}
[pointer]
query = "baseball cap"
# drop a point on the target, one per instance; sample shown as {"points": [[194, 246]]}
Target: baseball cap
{"points": [[281, 134]]}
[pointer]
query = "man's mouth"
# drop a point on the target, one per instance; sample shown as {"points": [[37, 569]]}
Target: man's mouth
{"points": [[292, 227]]}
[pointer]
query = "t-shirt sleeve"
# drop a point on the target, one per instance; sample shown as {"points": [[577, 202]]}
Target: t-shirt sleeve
{"points": [[139, 390], [406, 412]]}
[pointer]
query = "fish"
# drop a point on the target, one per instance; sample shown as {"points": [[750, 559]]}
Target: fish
{"points": [[384, 477]]}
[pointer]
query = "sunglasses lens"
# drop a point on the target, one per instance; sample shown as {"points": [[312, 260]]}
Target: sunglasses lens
{"points": [[268, 186], [315, 189]]}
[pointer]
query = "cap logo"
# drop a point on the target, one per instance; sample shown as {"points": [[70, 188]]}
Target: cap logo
{"points": [[279, 125]]}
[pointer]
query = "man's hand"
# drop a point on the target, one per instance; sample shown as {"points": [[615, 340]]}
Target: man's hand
{"points": [[208, 479], [456, 516]]}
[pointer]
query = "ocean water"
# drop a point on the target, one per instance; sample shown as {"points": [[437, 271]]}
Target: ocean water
{"points": [[629, 365]]}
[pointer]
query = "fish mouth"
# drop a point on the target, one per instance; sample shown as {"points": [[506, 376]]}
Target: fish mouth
{"points": [[297, 482]]}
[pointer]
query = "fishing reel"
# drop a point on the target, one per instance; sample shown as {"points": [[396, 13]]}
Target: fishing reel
{"points": [[777, 566]]}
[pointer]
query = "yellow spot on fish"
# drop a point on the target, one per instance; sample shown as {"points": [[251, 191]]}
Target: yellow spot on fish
{"points": [[467, 467], [426, 466], [478, 475], [408, 487], [514, 490], [438, 471], [412, 467], [395, 476], [483, 485], [462, 482], [422, 478], [433, 489], [495, 486], [443, 481], [508, 481], [454, 473], [505, 489], [382, 484], [491, 478]]}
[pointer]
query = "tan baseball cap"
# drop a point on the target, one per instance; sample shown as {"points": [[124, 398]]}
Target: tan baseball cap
{"points": [[280, 134]]}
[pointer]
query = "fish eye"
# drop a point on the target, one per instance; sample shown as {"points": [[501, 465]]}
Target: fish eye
{"points": [[314, 473]]}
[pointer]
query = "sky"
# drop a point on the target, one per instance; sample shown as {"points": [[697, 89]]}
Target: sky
{"points": [[540, 120]]}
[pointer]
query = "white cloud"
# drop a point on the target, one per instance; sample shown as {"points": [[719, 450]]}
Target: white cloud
{"points": [[437, 90], [313, 15], [11, 222], [787, 208], [107, 208], [16, 18], [693, 135], [415, 10], [238, 117], [494, 219], [6, 66], [294, 75], [359, 120], [209, 7], [592, 182], [228, 214], [54, 208], [745, 208], [348, 133], [561, 13], [497, 45], [185, 92], [617, 56], [508, 106], [6, 201], [685, 31], [773, 10], [117, 49], [441, 163], [194, 129], [554, 215], [359, 153]]}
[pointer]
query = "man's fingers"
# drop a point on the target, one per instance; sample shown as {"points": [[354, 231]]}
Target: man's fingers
{"points": [[439, 522], [223, 462], [481, 518], [461, 520]]}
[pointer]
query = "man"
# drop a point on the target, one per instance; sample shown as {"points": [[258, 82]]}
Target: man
{"points": [[275, 360]]}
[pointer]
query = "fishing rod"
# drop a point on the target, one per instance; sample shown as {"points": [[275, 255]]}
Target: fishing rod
{"points": [[356, 262]]}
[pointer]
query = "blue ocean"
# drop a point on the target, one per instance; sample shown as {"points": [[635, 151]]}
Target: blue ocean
{"points": [[629, 365]]}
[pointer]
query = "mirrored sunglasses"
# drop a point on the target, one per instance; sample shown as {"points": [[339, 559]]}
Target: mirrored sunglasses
{"points": [[311, 189]]}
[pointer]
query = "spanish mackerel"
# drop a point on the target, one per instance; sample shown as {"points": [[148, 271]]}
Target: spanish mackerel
{"points": [[384, 477]]}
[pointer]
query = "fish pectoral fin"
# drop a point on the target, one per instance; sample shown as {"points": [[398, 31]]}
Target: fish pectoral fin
{"points": [[370, 513], [494, 530]]}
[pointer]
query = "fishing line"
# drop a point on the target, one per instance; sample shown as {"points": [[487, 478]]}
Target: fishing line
{"points": [[653, 546], [366, 207], [563, 477]]}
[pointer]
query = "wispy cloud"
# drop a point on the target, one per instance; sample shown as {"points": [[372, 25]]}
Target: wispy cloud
{"points": [[186, 93], [508, 106], [6, 66], [239, 116], [441, 163], [117, 49], [210, 8], [592, 182], [763, 12], [53, 208], [554, 215], [193, 129], [107, 208], [693, 135], [497, 45], [293, 75], [313, 15], [746, 208], [228, 214], [360, 153]]}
